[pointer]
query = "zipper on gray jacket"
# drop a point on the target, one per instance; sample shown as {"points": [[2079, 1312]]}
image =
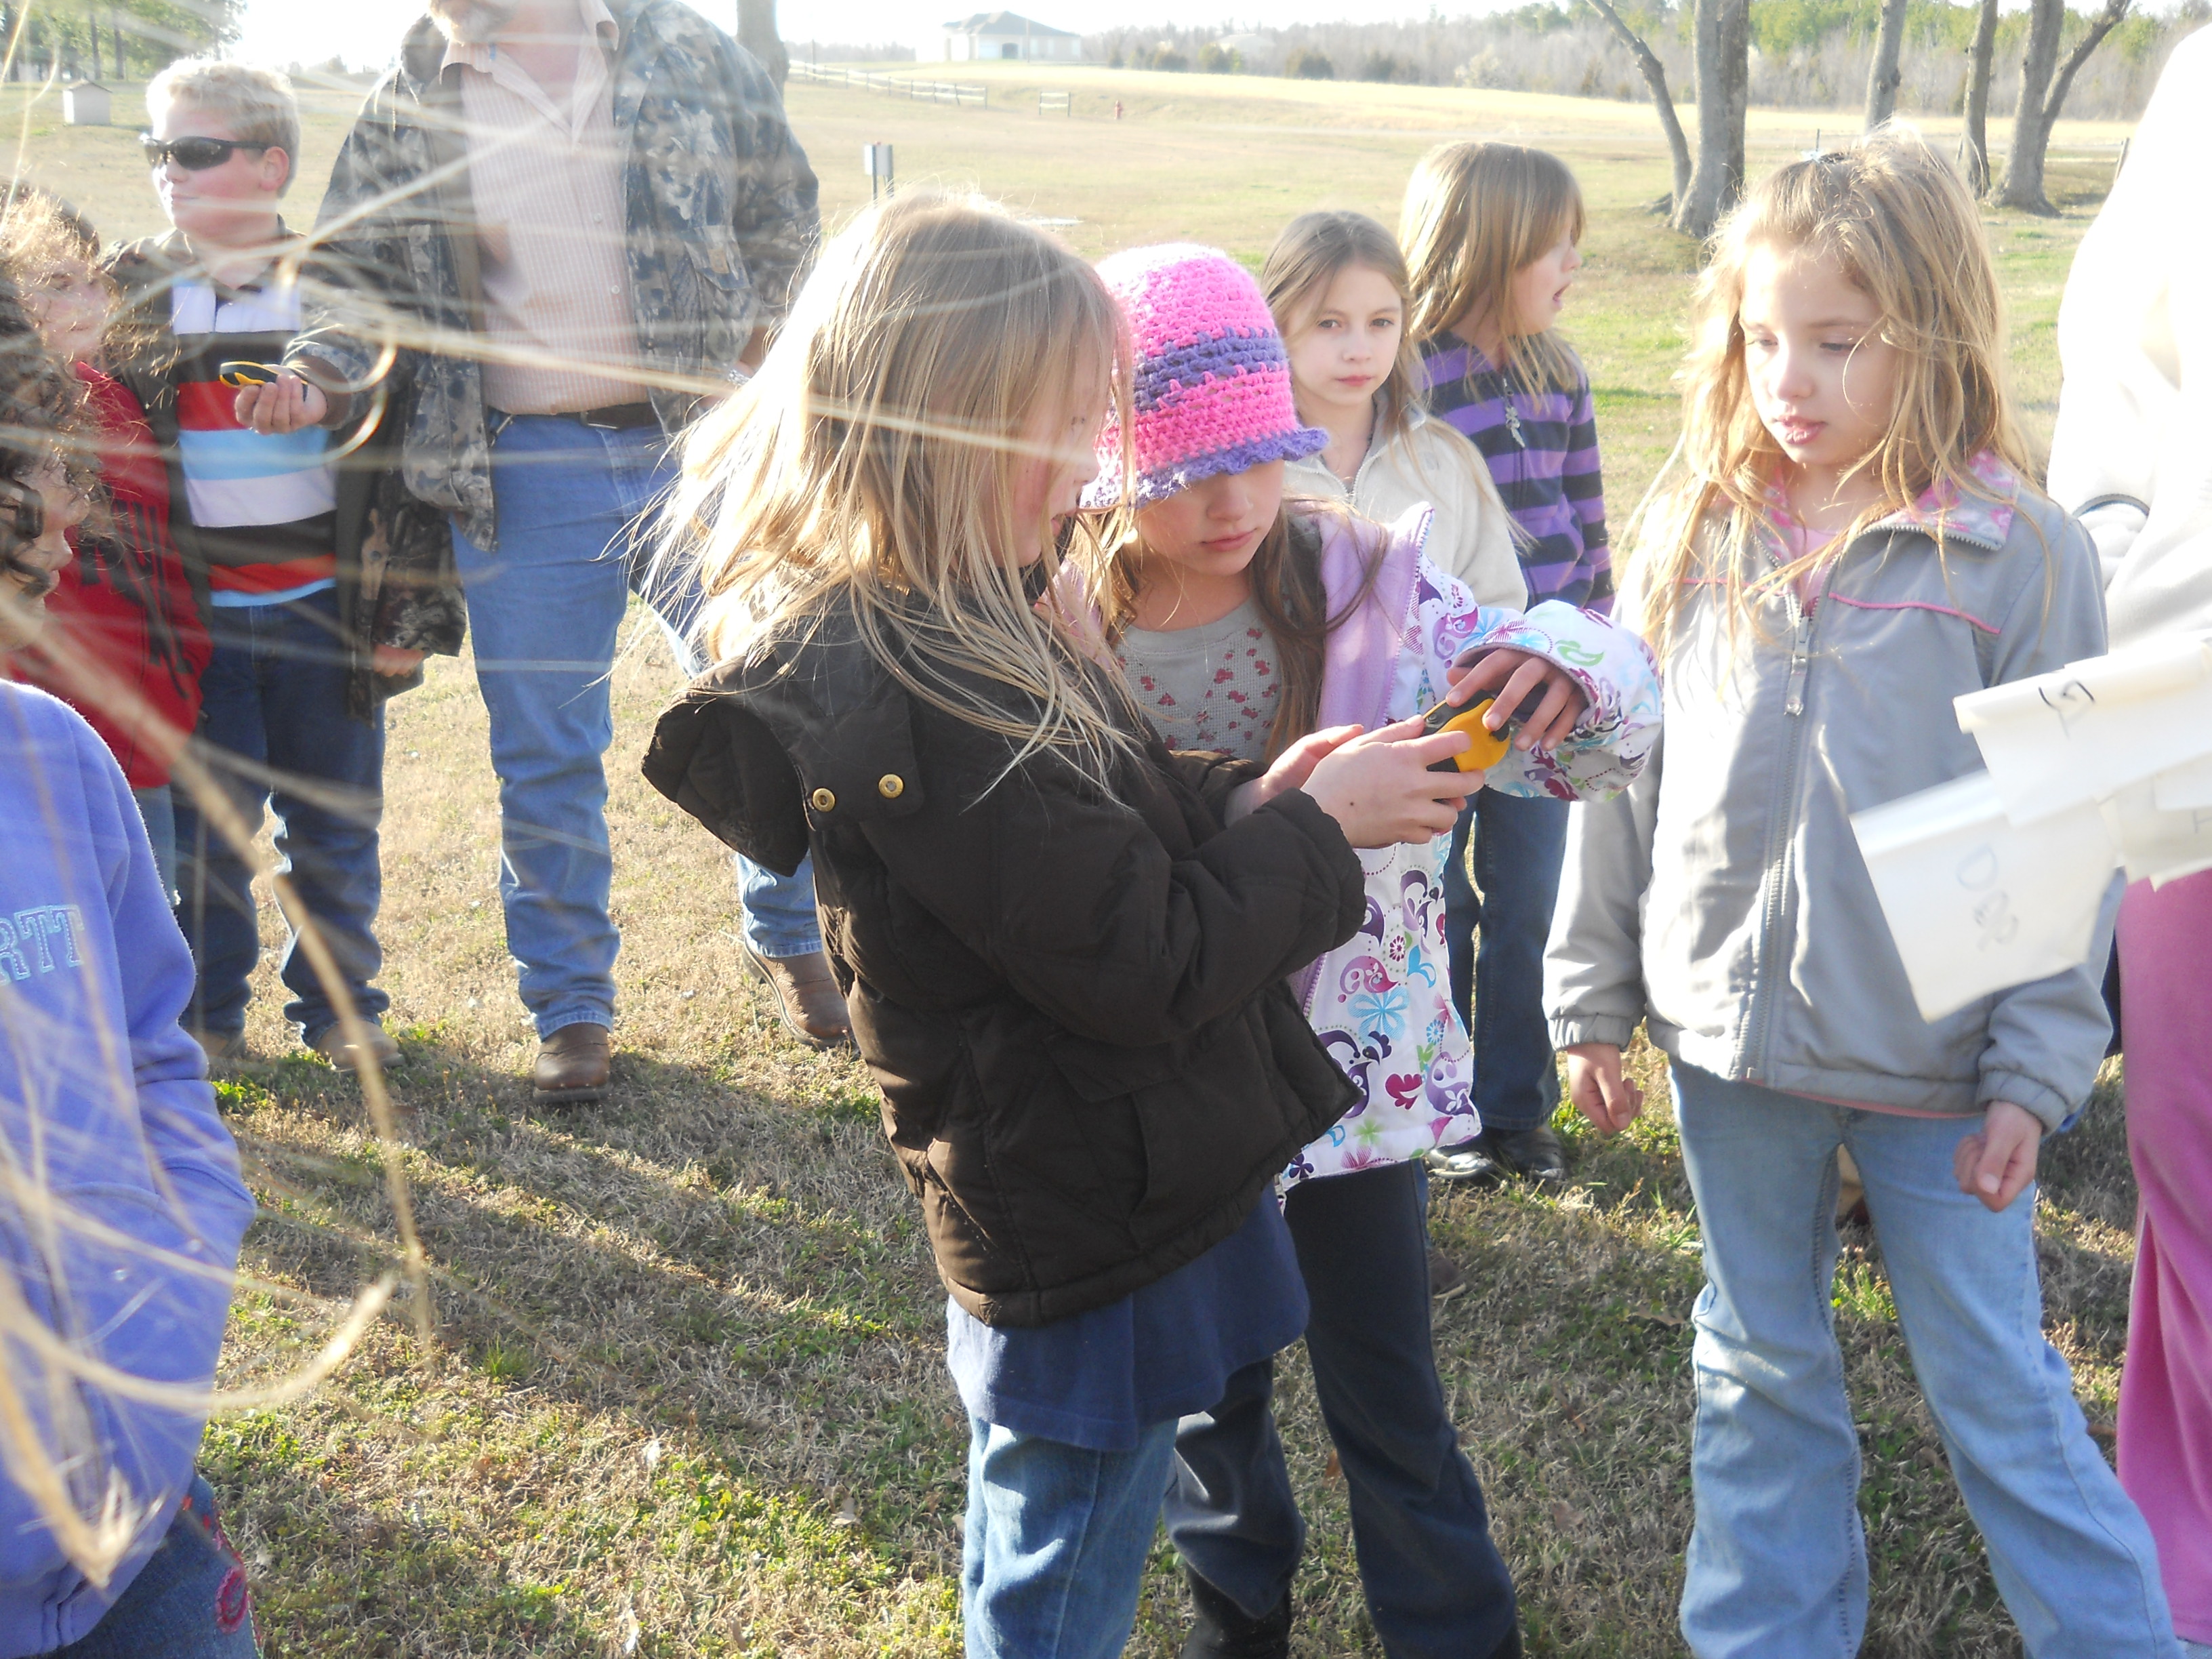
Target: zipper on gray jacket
{"points": [[1780, 822], [1801, 661]]}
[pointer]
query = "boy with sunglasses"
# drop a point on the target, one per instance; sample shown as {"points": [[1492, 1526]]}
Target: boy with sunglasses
{"points": [[321, 582]]}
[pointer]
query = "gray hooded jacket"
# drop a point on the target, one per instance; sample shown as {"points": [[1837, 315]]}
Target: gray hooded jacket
{"points": [[1723, 900]]}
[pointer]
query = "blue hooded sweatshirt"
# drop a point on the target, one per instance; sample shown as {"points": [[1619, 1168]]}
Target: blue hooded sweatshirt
{"points": [[104, 1108]]}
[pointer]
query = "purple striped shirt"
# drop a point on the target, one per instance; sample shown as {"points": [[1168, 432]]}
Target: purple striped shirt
{"points": [[1542, 451]]}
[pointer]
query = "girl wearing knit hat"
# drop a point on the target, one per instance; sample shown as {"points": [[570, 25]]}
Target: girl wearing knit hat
{"points": [[1065, 963], [1244, 622]]}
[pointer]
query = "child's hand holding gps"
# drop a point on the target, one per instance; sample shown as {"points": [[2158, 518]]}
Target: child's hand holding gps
{"points": [[1543, 699]]}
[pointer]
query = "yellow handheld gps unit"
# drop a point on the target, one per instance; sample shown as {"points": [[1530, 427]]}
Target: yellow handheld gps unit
{"points": [[1488, 747], [245, 373], [1485, 747]]}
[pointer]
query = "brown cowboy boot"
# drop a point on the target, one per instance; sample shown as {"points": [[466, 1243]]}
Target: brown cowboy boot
{"points": [[572, 1065], [807, 1000], [335, 1046]]}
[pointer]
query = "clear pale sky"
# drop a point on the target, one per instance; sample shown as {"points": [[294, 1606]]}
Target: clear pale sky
{"points": [[365, 32]]}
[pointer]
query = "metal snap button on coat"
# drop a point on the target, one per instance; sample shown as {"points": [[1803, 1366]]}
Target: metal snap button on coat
{"points": [[890, 786], [823, 801]]}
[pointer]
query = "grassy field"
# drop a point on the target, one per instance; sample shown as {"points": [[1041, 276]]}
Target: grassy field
{"points": [[687, 1396]]}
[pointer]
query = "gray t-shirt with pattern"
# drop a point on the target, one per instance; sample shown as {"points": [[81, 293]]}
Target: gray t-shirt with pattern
{"points": [[1215, 687]]}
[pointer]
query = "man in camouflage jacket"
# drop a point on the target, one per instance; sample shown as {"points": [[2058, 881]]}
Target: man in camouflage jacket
{"points": [[467, 192]]}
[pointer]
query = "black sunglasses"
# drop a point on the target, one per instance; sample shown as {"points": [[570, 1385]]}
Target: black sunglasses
{"points": [[192, 155]]}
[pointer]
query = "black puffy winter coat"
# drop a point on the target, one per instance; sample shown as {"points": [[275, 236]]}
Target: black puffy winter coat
{"points": [[1076, 1005]]}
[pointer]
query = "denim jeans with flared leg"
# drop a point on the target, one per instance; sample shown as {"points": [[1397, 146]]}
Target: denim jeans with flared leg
{"points": [[1777, 1558]]}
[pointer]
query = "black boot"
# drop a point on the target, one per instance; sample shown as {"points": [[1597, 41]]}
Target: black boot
{"points": [[1225, 1631]]}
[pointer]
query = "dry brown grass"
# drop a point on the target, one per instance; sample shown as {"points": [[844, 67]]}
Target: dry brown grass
{"points": [[688, 1397]]}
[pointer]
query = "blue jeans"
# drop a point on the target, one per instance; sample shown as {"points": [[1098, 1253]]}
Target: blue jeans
{"points": [[158, 810], [1519, 846], [1057, 1539], [1436, 1586], [781, 919], [188, 1601], [1778, 1559], [543, 612], [274, 729]]}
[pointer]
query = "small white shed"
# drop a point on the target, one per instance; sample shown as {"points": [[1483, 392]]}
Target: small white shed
{"points": [[85, 104]]}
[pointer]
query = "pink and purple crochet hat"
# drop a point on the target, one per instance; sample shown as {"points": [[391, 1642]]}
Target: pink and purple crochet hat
{"points": [[1212, 382]]}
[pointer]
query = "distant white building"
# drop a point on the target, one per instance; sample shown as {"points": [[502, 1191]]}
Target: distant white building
{"points": [[1006, 34]]}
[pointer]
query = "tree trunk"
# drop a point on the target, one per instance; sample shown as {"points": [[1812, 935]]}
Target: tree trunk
{"points": [[92, 33], [756, 34], [2104, 23], [1885, 77], [1655, 76], [2031, 128], [2043, 88], [1979, 61], [1723, 72], [120, 69]]}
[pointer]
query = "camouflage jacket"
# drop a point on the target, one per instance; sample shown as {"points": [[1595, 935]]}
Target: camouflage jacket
{"points": [[720, 218], [397, 584]]}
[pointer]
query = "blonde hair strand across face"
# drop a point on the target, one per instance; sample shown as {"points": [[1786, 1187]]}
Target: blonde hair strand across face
{"points": [[939, 354]]}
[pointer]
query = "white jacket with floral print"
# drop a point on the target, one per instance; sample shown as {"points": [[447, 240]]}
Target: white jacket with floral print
{"points": [[1382, 1001]]}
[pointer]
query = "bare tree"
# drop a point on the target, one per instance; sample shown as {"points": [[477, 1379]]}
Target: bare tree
{"points": [[1723, 62], [1655, 77], [1884, 77], [2043, 95], [756, 34], [1980, 59]]}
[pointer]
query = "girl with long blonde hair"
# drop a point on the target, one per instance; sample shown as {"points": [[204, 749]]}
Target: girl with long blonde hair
{"points": [[1063, 950], [1491, 233], [1851, 541]]}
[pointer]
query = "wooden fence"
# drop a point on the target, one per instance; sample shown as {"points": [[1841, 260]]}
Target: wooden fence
{"points": [[922, 92]]}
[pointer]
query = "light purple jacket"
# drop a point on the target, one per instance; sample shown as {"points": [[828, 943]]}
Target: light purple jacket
{"points": [[1382, 1001]]}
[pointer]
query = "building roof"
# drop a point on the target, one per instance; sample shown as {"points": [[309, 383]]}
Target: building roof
{"points": [[1002, 23]]}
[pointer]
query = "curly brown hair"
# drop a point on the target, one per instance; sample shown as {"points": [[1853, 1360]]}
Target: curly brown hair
{"points": [[44, 414]]}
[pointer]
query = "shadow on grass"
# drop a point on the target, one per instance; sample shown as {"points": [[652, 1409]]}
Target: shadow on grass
{"points": [[740, 1272], [333, 1578], [689, 1252]]}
